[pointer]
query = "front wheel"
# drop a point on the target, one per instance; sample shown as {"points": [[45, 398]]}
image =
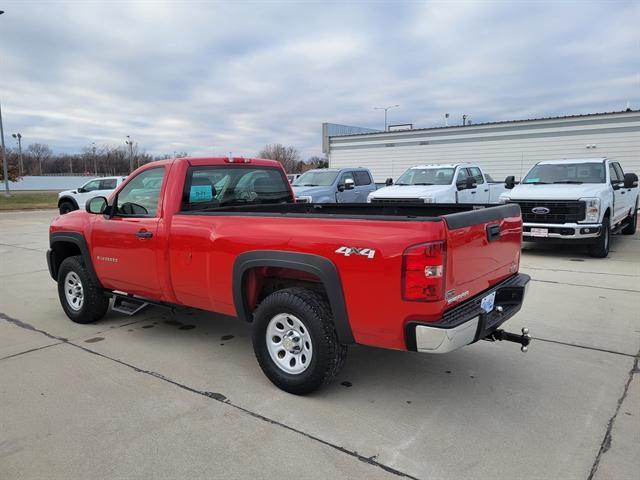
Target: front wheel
{"points": [[295, 340], [66, 207], [82, 300], [600, 249]]}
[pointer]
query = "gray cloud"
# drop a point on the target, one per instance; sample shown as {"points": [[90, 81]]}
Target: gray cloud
{"points": [[214, 77]]}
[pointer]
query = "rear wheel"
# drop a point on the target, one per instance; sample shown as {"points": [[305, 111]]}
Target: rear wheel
{"points": [[600, 249], [632, 223], [66, 207], [82, 300], [295, 340]]}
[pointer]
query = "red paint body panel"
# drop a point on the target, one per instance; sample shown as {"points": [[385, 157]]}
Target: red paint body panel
{"points": [[190, 258]]}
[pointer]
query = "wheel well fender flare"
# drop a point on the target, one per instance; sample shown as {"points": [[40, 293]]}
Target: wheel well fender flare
{"points": [[68, 199], [316, 265], [76, 239]]}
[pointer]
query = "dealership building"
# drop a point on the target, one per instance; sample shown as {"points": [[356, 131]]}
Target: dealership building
{"points": [[501, 148]]}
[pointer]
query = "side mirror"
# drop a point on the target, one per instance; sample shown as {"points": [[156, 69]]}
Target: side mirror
{"points": [[471, 183], [349, 184], [630, 180], [96, 205], [388, 182], [510, 182], [80, 190], [341, 187]]}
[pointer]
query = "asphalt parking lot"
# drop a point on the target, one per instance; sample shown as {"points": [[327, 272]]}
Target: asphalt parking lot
{"points": [[179, 394]]}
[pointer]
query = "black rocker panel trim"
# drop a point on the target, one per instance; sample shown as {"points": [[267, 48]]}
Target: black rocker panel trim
{"points": [[321, 267], [76, 239]]}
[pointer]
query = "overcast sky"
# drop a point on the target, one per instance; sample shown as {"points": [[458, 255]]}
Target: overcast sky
{"points": [[213, 77]]}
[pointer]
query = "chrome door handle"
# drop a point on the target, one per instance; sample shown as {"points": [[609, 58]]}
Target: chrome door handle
{"points": [[144, 234]]}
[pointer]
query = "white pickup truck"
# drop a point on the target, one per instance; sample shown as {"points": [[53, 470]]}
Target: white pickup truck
{"points": [[580, 201], [70, 200], [446, 183]]}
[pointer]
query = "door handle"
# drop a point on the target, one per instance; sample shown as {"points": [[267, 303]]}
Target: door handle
{"points": [[487, 190], [493, 232], [144, 234], [473, 193]]}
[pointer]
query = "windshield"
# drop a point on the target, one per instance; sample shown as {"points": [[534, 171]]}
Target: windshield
{"points": [[316, 178], [566, 173], [426, 176]]}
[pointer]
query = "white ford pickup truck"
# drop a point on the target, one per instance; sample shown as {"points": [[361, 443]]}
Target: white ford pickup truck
{"points": [[581, 201], [70, 200], [446, 183]]}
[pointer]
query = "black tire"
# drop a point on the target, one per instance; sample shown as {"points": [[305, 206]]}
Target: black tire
{"points": [[94, 303], [632, 223], [313, 311], [600, 249], [66, 206]]}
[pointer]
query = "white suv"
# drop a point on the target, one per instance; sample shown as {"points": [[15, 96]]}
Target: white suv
{"points": [[70, 200], [581, 201]]}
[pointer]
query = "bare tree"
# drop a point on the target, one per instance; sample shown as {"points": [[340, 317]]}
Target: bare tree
{"points": [[40, 153], [287, 156]]}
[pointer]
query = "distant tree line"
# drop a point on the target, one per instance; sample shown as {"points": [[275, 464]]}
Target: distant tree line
{"points": [[290, 158], [39, 159]]}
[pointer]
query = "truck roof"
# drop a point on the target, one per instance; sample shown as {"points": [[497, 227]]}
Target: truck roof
{"points": [[442, 165], [564, 161], [200, 161]]}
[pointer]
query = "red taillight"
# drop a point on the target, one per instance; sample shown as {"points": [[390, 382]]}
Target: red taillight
{"points": [[423, 272]]}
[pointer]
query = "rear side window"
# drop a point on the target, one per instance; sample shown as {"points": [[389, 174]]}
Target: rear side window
{"points": [[108, 184], [477, 174], [220, 186], [362, 178]]}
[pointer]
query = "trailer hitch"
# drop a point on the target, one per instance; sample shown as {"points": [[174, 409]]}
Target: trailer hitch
{"points": [[499, 335]]}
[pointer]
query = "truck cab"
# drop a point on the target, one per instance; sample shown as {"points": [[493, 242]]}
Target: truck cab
{"points": [[441, 183], [580, 201], [333, 185]]}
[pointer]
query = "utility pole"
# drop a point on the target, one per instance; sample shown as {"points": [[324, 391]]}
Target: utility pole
{"points": [[130, 143], [18, 137], [386, 109], [95, 160], [5, 168]]}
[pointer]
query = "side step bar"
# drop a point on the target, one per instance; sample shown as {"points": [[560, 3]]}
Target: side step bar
{"points": [[127, 305]]}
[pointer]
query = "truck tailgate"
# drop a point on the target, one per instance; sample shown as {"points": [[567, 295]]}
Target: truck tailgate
{"points": [[483, 248]]}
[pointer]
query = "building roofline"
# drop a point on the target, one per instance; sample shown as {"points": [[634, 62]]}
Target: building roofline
{"points": [[502, 122]]}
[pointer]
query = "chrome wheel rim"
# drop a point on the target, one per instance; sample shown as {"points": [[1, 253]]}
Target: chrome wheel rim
{"points": [[289, 343], [73, 291]]}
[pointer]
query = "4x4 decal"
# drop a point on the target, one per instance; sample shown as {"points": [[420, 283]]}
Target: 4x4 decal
{"points": [[348, 251]]}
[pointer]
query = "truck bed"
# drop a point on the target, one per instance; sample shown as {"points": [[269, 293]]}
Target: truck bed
{"points": [[214, 238]]}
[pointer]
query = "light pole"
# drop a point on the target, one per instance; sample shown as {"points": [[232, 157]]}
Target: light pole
{"points": [[130, 143], [18, 137], [386, 109], [5, 168]]}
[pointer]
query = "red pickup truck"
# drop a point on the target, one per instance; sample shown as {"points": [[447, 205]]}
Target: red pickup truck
{"points": [[225, 235]]}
